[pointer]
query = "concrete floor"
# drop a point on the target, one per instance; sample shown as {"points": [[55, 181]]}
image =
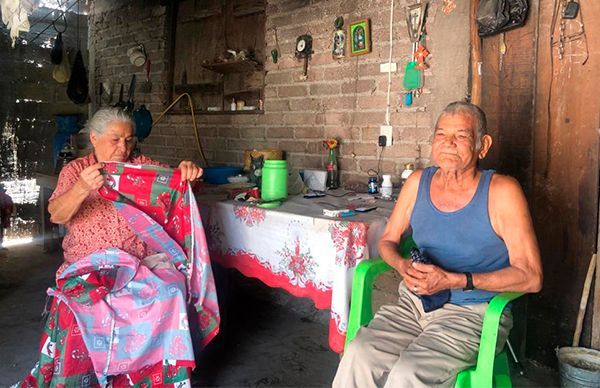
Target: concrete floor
{"points": [[269, 339]]}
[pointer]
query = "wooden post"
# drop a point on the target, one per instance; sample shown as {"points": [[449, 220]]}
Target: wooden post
{"points": [[475, 56]]}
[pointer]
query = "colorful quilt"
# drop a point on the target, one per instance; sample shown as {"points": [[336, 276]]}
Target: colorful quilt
{"points": [[122, 317]]}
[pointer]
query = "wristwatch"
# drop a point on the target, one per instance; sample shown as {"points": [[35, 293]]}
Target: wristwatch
{"points": [[469, 286]]}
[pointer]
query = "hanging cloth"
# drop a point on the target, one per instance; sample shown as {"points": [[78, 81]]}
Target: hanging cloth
{"points": [[78, 90], [15, 15]]}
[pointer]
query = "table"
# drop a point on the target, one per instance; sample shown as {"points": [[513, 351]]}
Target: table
{"points": [[296, 248]]}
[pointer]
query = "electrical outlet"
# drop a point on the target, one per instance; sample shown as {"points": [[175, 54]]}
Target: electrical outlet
{"points": [[386, 130], [388, 67]]}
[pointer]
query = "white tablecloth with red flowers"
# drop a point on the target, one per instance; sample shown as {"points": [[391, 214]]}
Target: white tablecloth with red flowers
{"points": [[296, 248]]}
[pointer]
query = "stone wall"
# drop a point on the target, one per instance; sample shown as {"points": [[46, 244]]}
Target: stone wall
{"points": [[341, 98]]}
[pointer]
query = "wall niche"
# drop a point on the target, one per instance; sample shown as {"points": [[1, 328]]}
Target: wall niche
{"points": [[218, 53]]}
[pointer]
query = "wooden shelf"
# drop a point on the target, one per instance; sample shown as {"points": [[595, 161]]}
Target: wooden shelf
{"points": [[246, 91], [233, 67], [210, 87], [248, 10]]}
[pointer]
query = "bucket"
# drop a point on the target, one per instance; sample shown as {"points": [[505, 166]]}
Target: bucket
{"points": [[579, 367], [274, 180]]}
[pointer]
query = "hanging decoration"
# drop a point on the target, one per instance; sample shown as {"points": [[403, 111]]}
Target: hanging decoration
{"points": [[339, 39], [15, 14], [413, 71]]}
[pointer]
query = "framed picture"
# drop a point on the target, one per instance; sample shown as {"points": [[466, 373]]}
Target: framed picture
{"points": [[359, 37]]}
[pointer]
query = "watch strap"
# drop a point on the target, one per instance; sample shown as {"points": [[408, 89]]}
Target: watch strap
{"points": [[469, 286]]}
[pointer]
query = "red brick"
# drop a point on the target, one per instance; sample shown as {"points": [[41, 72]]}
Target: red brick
{"points": [[309, 133], [359, 86], [293, 146], [300, 118], [229, 133], [278, 133], [324, 89], [292, 91], [387, 167]]}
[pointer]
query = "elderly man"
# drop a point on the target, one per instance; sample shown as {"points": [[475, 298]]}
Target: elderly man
{"points": [[475, 227]]}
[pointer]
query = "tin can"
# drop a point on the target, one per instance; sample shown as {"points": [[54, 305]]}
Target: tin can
{"points": [[372, 185]]}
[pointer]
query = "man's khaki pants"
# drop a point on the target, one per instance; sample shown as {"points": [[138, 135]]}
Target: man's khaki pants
{"points": [[404, 346]]}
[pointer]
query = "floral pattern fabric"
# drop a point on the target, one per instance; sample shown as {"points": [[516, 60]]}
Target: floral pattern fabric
{"points": [[307, 256], [112, 316]]}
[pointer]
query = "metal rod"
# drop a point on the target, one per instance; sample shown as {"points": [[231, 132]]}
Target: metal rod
{"points": [[59, 16], [514, 356]]}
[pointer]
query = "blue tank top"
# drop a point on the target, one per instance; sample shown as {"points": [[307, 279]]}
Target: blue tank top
{"points": [[459, 241]]}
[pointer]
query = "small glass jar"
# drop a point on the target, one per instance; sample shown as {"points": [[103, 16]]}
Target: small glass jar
{"points": [[373, 189]]}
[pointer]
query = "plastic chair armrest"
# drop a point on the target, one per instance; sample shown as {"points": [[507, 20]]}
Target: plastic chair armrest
{"points": [[489, 333], [361, 311]]}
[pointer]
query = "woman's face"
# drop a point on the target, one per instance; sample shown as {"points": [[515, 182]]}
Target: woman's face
{"points": [[454, 143], [115, 144]]}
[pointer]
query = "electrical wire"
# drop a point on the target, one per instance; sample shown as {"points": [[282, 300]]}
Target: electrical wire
{"points": [[389, 87], [191, 105], [51, 24]]}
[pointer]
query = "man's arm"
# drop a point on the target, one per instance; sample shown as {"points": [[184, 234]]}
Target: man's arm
{"points": [[511, 220], [397, 225]]}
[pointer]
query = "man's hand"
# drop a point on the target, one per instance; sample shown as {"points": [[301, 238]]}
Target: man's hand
{"points": [[189, 171], [428, 279], [91, 179]]}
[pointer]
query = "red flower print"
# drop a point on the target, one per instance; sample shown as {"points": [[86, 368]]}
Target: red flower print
{"points": [[172, 370], [249, 215], [47, 371], [350, 240], [75, 291], [204, 320]]}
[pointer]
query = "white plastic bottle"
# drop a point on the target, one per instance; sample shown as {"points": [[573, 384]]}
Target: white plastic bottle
{"points": [[409, 168], [386, 186], [233, 104]]}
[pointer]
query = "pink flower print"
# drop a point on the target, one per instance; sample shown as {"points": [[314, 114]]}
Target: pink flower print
{"points": [[110, 168], [149, 292], [177, 348], [134, 342]]}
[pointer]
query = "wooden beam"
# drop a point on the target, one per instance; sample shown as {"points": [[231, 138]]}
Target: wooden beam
{"points": [[475, 56]]}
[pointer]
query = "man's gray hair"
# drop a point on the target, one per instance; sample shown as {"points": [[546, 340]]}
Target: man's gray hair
{"points": [[466, 108], [104, 116]]}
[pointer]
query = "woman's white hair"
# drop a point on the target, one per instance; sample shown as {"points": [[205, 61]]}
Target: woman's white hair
{"points": [[104, 116], [466, 108]]}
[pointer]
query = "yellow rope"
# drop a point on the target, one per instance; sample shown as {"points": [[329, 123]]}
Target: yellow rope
{"points": [[191, 105]]}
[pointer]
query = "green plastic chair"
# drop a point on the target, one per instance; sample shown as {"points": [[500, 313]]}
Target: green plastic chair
{"points": [[491, 369]]}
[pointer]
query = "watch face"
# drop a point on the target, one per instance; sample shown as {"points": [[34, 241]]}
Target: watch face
{"points": [[301, 45]]}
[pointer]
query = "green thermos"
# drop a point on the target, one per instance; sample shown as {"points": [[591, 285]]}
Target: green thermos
{"points": [[274, 180]]}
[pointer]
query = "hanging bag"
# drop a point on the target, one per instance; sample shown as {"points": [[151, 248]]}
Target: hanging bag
{"points": [[496, 16]]}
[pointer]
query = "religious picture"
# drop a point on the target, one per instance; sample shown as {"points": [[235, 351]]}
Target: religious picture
{"points": [[360, 37], [339, 44]]}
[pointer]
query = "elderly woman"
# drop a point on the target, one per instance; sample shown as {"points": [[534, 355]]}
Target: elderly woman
{"points": [[107, 251], [474, 226]]}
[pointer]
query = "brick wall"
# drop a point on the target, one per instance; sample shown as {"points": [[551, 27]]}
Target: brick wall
{"points": [[341, 98]]}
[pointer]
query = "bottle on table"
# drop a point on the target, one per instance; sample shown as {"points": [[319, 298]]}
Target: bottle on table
{"points": [[409, 168], [386, 186]]}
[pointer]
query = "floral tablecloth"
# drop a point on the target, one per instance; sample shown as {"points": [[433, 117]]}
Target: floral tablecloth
{"points": [[296, 248]]}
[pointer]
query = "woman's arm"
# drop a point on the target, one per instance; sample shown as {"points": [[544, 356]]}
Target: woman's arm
{"points": [[397, 225], [65, 206]]}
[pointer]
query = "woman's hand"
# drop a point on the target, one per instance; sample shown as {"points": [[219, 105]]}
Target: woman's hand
{"points": [[428, 279], [91, 179], [189, 171]]}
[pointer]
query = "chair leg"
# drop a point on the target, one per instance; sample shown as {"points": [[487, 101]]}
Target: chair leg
{"points": [[514, 356], [502, 371]]}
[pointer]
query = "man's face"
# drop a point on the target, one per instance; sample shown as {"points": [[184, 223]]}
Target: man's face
{"points": [[115, 144], [453, 146]]}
